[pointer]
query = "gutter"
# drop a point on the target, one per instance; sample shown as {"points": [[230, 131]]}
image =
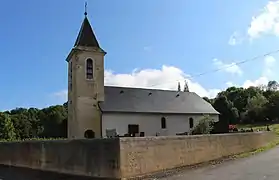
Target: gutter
{"points": [[101, 118]]}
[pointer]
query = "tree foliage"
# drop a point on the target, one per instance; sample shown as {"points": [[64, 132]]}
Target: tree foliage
{"points": [[7, 130], [251, 105], [22, 123], [204, 126]]}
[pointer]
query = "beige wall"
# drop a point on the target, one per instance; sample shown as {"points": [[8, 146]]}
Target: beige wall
{"points": [[150, 154], [126, 157], [84, 113], [97, 158]]}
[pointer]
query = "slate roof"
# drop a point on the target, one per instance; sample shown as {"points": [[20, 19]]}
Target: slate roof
{"points": [[138, 100], [86, 36]]}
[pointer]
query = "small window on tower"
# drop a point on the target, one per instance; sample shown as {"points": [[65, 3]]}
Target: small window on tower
{"points": [[89, 69]]}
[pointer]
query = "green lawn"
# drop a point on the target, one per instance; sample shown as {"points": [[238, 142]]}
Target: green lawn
{"points": [[255, 127]]}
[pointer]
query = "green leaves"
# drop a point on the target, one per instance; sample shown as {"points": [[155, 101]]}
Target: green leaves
{"points": [[7, 130], [21, 123], [204, 126], [252, 105]]}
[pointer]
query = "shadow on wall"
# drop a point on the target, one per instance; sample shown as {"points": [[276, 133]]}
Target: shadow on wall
{"points": [[16, 173]]}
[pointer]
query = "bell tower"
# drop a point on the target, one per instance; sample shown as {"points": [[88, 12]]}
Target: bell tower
{"points": [[85, 84]]}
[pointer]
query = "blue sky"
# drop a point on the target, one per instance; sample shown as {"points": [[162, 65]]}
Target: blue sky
{"points": [[149, 44]]}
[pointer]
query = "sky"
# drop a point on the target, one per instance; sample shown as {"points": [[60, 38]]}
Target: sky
{"points": [[153, 44]]}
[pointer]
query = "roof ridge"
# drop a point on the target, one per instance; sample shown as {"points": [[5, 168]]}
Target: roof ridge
{"points": [[142, 88]]}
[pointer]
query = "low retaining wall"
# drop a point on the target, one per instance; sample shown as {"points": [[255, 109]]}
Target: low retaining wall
{"points": [[97, 158], [146, 155], [126, 157]]}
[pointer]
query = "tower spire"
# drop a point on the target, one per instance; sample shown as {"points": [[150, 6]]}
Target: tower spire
{"points": [[86, 35], [85, 8]]}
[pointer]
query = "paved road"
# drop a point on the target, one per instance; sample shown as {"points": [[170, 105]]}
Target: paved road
{"points": [[263, 166], [13, 173]]}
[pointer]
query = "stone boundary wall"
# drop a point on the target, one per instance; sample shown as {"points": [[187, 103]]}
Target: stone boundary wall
{"points": [[145, 155], [97, 158], [126, 157]]}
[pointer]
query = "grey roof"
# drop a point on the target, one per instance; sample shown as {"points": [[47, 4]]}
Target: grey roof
{"points": [[86, 36], [126, 99]]}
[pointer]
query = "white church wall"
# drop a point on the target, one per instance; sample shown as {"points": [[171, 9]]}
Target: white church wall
{"points": [[150, 124]]}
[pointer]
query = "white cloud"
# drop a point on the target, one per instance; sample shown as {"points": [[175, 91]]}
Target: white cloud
{"points": [[165, 78], [267, 73], [61, 96], [231, 68], [266, 22], [269, 67], [230, 84], [269, 61], [235, 39], [257, 82]]}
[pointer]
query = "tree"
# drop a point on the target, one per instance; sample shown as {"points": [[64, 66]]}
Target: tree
{"points": [[272, 85], [22, 125], [204, 126], [272, 107], [52, 119], [223, 106], [235, 116], [49, 122], [207, 99], [258, 104], [7, 130], [256, 108]]}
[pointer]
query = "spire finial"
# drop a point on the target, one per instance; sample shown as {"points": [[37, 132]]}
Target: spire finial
{"points": [[85, 8]]}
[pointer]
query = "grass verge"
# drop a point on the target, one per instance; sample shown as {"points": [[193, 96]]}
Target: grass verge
{"points": [[270, 145]]}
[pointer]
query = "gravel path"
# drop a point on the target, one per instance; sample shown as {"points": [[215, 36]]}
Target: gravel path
{"points": [[263, 166]]}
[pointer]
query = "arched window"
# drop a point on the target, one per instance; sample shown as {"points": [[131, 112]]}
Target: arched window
{"points": [[89, 69], [191, 122], [89, 134], [163, 123]]}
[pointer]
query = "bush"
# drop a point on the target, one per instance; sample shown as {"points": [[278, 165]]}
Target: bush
{"points": [[205, 126]]}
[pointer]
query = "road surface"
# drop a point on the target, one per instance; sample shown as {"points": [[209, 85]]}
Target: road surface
{"points": [[263, 166]]}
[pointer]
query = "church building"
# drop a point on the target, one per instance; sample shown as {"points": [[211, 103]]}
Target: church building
{"points": [[99, 111]]}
